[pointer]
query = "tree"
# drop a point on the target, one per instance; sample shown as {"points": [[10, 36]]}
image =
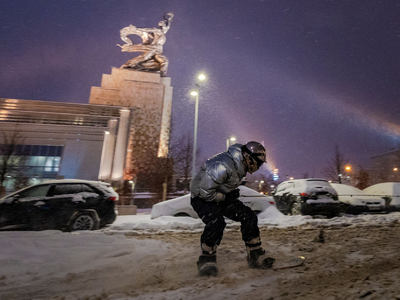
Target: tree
{"points": [[335, 170], [160, 172], [182, 155], [11, 161], [362, 179]]}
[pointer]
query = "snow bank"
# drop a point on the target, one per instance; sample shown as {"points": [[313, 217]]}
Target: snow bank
{"points": [[271, 217], [144, 222]]}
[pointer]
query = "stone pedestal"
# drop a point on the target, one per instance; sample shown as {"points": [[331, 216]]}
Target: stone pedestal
{"points": [[149, 97]]}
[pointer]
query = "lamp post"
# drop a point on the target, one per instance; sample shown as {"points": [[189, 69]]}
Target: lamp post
{"points": [[229, 140], [348, 174], [260, 185], [195, 93]]}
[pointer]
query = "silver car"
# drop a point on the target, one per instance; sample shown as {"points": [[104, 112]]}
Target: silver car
{"points": [[311, 196]]}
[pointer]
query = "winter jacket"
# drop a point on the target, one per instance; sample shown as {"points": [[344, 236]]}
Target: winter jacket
{"points": [[219, 175]]}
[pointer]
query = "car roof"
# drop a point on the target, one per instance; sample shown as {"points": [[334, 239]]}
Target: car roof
{"points": [[346, 189], [389, 188], [305, 180], [56, 181]]}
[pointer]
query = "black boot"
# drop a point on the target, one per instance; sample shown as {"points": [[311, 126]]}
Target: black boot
{"points": [[207, 265], [257, 259]]}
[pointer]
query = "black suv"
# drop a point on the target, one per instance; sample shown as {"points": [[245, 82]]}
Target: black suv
{"points": [[66, 205]]}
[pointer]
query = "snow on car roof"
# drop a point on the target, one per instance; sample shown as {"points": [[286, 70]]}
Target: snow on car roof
{"points": [[385, 188], [74, 181], [347, 189]]}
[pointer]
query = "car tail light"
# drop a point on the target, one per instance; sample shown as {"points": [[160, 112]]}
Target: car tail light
{"points": [[112, 198], [272, 202], [304, 194]]}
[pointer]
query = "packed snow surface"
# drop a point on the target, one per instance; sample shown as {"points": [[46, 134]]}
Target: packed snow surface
{"points": [[142, 258]]}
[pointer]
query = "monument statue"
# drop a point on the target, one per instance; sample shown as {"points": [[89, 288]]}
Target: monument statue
{"points": [[153, 40]]}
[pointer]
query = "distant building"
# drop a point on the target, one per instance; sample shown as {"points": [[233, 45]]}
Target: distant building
{"points": [[385, 167]]}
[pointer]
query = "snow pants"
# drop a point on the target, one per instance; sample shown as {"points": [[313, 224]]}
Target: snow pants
{"points": [[212, 214]]}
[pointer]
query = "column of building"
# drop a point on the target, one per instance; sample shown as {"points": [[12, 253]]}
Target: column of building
{"points": [[114, 148]]}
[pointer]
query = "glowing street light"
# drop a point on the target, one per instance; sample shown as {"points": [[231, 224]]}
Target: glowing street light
{"points": [[229, 140], [395, 169], [348, 168], [195, 93]]}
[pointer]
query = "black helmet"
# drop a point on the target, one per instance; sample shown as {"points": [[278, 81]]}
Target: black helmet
{"points": [[255, 155]]}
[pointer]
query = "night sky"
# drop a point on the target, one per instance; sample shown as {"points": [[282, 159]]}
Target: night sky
{"points": [[299, 76]]}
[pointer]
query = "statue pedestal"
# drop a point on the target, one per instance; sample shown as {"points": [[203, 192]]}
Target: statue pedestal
{"points": [[149, 97]]}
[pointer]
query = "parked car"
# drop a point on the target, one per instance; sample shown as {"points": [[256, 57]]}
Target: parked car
{"points": [[357, 201], [389, 191], [180, 207], [311, 196], [66, 205]]}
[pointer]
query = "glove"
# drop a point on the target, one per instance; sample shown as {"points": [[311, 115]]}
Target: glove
{"points": [[232, 195]]}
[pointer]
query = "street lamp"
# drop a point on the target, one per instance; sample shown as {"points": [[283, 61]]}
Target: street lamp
{"points": [[229, 140], [195, 93], [260, 184], [348, 170]]}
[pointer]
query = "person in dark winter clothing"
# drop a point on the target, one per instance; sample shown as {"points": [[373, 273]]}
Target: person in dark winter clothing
{"points": [[214, 195]]}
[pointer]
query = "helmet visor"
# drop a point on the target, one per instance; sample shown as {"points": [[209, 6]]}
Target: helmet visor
{"points": [[259, 158]]}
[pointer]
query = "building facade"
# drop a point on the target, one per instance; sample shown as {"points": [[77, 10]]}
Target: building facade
{"points": [[123, 131], [60, 140], [385, 167]]}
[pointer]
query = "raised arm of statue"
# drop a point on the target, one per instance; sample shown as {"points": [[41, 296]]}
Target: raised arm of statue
{"points": [[151, 47]]}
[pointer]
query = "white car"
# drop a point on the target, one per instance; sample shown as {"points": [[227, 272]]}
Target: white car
{"points": [[357, 201], [181, 207], [390, 191]]}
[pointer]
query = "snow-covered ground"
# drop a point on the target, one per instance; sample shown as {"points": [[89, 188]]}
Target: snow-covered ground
{"points": [[140, 258]]}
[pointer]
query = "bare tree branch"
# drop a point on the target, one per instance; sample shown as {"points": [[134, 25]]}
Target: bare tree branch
{"points": [[182, 154], [335, 170], [10, 161]]}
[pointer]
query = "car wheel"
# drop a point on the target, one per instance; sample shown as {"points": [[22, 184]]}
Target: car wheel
{"points": [[181, 214], [295, 209], [83, 221]]}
